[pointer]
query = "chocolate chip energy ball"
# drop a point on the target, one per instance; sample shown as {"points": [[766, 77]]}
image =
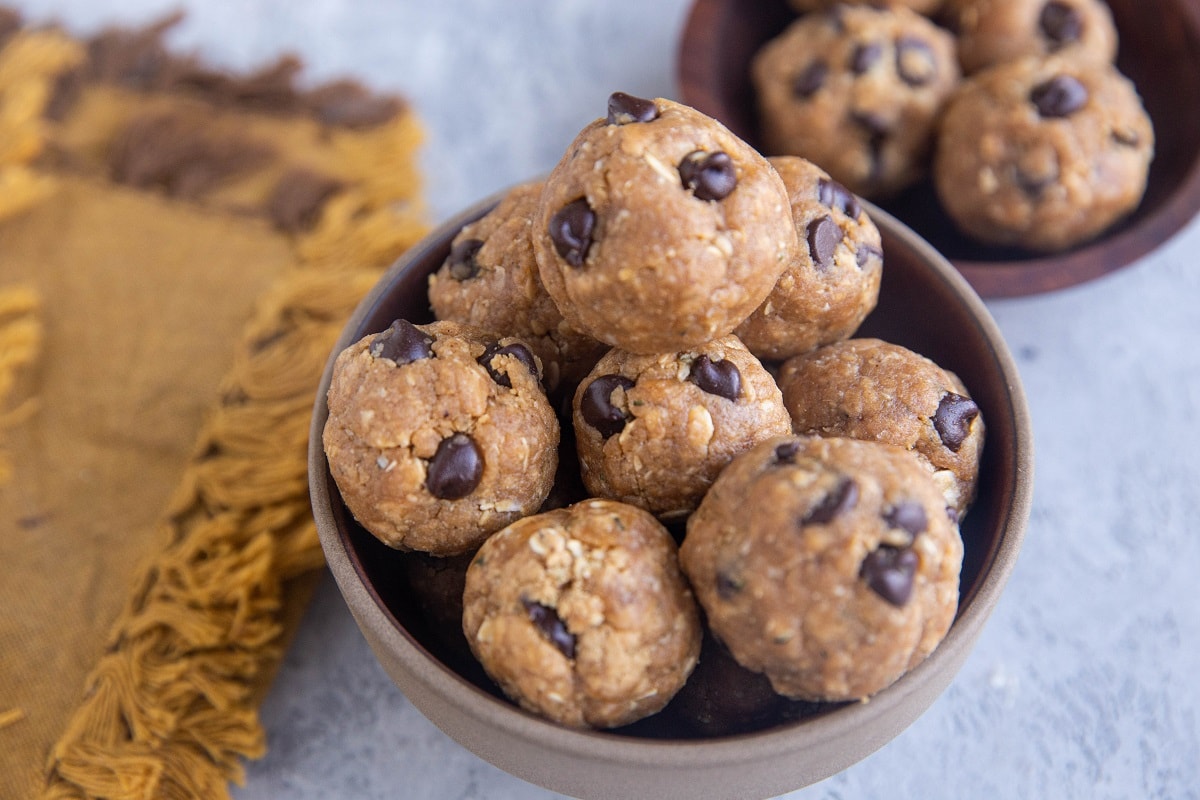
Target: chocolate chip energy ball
{"points": [[1043, 153], [829, 565], [490, 280], [833, 284], [439, 435], [582, 614], [857, 90], [997, 31], [655, 430], [871, 389], [659, 229]]}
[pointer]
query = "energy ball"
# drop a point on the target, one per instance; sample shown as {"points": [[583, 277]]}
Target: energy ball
{"points": [[870, 389], [439, 435], [660, 229], [998, 31], [829, 565], [857, 90], [1043, 153], [490, 280], [833, 284], [655, 430], [582, 615]]}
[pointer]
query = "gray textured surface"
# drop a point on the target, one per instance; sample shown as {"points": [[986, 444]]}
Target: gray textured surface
{"points": [[1083, 685]]}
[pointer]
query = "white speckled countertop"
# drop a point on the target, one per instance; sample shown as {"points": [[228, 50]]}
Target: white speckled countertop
{"points": [[1083, 684]]}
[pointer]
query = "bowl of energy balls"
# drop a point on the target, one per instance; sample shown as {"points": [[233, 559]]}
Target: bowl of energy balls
{"points": [[1036, 144], [678, 471]]}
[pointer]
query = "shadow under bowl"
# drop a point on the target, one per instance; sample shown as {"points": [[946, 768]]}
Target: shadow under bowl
{"points": [[1159, 51], [924, 305]]}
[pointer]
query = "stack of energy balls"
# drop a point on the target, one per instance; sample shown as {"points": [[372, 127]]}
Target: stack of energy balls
{"points": [[1014, 108], [642, 436]]}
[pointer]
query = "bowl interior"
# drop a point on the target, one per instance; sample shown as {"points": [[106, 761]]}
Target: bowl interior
{"points": [[924, 305], [1159, 51]]}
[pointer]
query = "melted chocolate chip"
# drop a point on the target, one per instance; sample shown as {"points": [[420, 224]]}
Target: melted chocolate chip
{"points": [[908, 515], [786, 453], [597, 408], [1126, 137], [721, 378], [625, 108], [1060, 96], [518, 351], [571, 231], [809, 81], [915, 62], [1060, 24], [824, 236], [832, 194], [728, 586], [866, 253], [461, 262], [710, 176], [402, 342], [455, 469], [865, 56], [889, 573], [953, 417], [840, 500], [546, 620]]}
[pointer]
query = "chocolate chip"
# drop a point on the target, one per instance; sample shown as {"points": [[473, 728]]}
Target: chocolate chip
{"points": [[625, 108], [889, 572], [1126, 137], [952, 514], [710, 176], [1060, 23], [571, 231], [840, 500], [786, 453], [1060, 96], [908, 515], [728, 586], [824, 236], [866, 253], [865, 56], [832, 194], [402, 342], [952, 420], [809, 81], [721, 378], [915, 62], [546, 620], [597, 408], [455, 469], [461, 262], [518, 351]]}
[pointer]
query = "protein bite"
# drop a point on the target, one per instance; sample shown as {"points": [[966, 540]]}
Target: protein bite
{"points": [[833, 284], [655, 430], [879, 391], [998, 31], [439, 435], [1043, 153], [660, 229], [829, 565], [490, 280], [857, 90], [582, 615]]}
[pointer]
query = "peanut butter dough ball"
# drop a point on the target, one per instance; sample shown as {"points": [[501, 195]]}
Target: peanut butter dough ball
{"points": [[1043, 153], [829, 565], [857, 90], [659, 229], [439, 435], [997, 31], [582, 615], [655, 430], [833, 284]]}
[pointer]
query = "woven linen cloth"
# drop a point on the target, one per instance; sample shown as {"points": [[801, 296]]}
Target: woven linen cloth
{"points": [[179, 249]]}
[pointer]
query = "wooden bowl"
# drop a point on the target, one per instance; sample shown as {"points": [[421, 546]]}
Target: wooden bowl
{"points": [[1159, 52], [925, 305]]}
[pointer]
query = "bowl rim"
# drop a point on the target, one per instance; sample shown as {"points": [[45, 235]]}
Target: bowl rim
{"points": [[429, 675], [1127, 244]]}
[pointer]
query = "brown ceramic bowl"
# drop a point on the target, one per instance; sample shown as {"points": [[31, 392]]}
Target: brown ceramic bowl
{"points": [[925, 305], [1159, 52]]}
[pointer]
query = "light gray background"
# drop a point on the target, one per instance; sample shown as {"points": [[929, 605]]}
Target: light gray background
{"points": [[1084, 683]]}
